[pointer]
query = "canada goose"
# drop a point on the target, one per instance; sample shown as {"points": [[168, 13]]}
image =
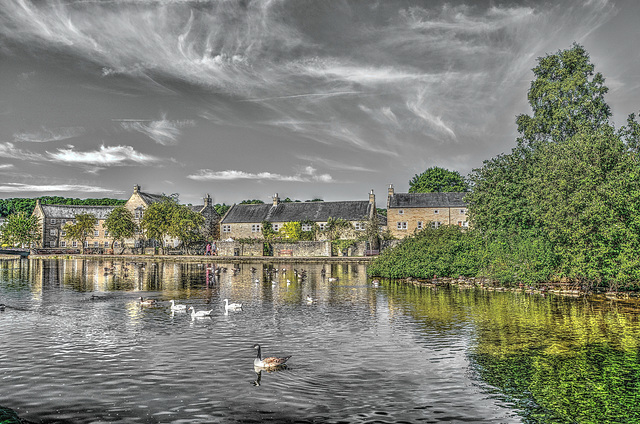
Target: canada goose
{"points": [[199, 314], [175, 307], [270, 362], [147, 302], [231, 306]]}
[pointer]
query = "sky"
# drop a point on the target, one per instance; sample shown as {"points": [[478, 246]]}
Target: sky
{"points": [[242, 99]]}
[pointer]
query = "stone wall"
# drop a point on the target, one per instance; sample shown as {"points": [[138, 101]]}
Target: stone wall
{"points": [[236, 248], [414, 216], [302, 249]]}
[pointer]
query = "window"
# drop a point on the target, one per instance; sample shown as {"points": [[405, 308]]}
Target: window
{"points": [[401, 212], [419, 225], [402, 225], [52, 243], [307, 227], [106, 233], [63, 244], [226, 228], [322, 226], [463, 211], [52, 232], [359, 226], [96, 244], [115, 244], [459, 223], [63, 233], [436, 211], [138, 213], [106, 244], [86, 244], [53, 221], [436, 224], [275, 227], [96, 233], [74, 244], [255, 228]]}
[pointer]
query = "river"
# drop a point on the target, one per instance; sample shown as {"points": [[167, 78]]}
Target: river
{"points": [[77, 347]]}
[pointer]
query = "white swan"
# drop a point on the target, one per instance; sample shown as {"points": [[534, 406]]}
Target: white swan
{"points": [[175, 307], [270, 362], [231, 306], [199, 314]]}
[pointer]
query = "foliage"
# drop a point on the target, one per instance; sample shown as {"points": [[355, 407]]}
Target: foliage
{"points": [[252, 202], [20, 228], [437, 179], [337, 228], [446, 251], [340, 246], [267, 230], [221, 208], [566, 97], [292, 231], [120, 225], [185, 224], [156, 221], [85, 224]]}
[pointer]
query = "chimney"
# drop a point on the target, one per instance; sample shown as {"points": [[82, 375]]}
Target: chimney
{"points": [[136, 188], [372, 202], [390, 194], [207, 200], [276, 199]]}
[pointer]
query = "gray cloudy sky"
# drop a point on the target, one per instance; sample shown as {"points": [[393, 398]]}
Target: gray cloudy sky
{"points": [[307, 98]]}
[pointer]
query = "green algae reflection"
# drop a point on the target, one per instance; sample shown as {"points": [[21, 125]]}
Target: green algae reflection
{"points": [[552, 359]]}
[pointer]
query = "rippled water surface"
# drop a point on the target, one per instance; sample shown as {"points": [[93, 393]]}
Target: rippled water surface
{"points": [[77, 346]]}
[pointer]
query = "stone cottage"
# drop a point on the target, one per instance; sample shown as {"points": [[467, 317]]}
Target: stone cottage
{"points": [[410, 212]]}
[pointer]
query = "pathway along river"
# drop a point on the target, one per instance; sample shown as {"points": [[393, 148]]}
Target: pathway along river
{"points": [[77, 347]]}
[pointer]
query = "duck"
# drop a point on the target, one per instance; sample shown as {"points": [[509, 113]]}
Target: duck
{"points": [[147, 302], [311, 299], [175, 307], [375, 283], [199, 314], [2, 306], [332, 279], [270, 362], [231, 306]]}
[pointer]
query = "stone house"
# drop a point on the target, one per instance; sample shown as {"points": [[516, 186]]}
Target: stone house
{"points": [[53, 218], [244, 221], [140, 201], [410, 212]]}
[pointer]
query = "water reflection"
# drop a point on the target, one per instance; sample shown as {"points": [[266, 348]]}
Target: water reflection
{"points": [[79, 346]]}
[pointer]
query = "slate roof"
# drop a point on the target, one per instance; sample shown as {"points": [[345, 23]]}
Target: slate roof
{"points": [[70, 211], [427, 200], [298, 211], [151, 198]]}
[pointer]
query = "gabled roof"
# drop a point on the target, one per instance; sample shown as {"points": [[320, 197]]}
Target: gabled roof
{"points": [[152, 198], [70, 211], [298, 211], [427, 200]]}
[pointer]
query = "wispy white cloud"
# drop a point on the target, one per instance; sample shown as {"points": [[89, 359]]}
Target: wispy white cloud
{"points": [[105, 156], [334, 164], [44, 188], [46, 135], [6, 166], [163, 131], [308, 174], [9, 150]]}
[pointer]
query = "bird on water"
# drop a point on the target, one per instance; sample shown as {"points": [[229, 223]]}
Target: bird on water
{"points": [[269, 362]]}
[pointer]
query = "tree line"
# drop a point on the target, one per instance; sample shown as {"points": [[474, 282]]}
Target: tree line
{"points": [[563, 205]]}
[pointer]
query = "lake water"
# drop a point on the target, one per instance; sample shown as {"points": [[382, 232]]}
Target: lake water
{"points": [[77, 347]]}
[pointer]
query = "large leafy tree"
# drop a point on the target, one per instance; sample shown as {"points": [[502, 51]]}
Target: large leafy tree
{"points": [[566, 96], [20, 228], [120, 225], [185, 224], [439, 180], [85, 224], [156, 221]]}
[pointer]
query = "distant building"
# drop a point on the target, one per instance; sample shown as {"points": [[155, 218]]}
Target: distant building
{"points": [[53, 218], [410, 212], [245, 220]]}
